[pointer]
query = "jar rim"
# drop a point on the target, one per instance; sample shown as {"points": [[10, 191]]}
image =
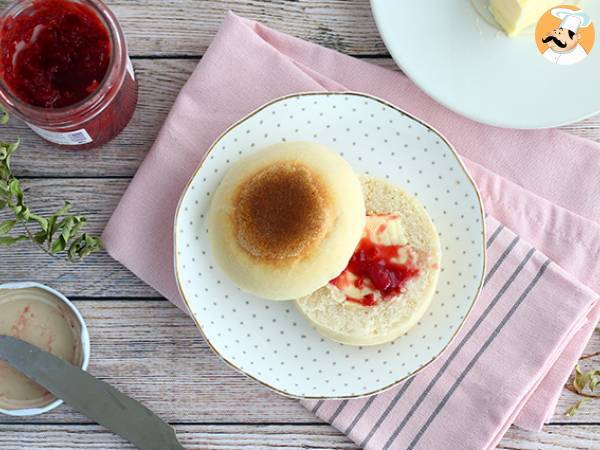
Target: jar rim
{"points": [[90, 106]]}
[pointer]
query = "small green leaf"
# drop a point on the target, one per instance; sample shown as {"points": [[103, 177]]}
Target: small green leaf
{"points": [[10, 240], [10, 149], [594, 380], [58, 246], [40, 237], [590, 379], [579, 380], [79, 222], [42, 221], [63, 210], [84, 246], [7, 226], [25, 214], [575, 407], [15, 187], [74, 248], [4, 116], [51, 226]]}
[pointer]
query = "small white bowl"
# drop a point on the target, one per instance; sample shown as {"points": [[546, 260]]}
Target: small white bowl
{"points": [[84, 339]]}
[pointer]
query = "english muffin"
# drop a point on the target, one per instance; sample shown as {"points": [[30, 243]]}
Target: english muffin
{"points": [[390, 280], [286, 219]]}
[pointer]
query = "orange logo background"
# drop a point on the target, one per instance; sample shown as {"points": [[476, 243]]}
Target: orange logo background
{"points": [[548, 22]]}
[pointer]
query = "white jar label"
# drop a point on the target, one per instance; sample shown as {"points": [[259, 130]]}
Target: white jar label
{"points": [[77, 137]]}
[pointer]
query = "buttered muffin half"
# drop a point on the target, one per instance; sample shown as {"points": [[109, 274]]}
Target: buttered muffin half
{"points": [[391, 277], [286, 219]]}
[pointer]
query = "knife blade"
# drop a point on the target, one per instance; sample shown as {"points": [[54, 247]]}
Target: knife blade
{"points": [[92, 397]]}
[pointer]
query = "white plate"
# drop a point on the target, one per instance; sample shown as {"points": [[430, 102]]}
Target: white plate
{"points": [[468, 65], [270, 341]]}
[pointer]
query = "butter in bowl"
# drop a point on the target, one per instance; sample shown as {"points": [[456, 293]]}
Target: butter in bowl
{"points": [[45, 318]]}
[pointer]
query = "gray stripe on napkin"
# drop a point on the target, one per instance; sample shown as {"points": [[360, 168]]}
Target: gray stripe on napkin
{"points": [[342, 405], [494, 236], [337, 411], [481, 351], [397, 397], [501, 259], [360, 414], [317, 406], [455, 352]]}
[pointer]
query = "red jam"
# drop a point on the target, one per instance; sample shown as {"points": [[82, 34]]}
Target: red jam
{"points": [[65, 71], [374, 267], [55, 55]]}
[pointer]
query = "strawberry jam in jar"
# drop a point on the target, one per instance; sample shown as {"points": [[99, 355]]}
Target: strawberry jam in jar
{"points": [[65, 71]]}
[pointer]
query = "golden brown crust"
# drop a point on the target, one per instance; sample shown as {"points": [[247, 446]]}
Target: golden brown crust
{"points": [[281, 211]]}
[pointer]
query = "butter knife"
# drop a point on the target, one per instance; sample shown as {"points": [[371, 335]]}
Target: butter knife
{"points": [[92, 397]]}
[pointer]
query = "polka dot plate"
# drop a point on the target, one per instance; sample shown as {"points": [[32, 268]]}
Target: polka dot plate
{"points": [[270, 341]]}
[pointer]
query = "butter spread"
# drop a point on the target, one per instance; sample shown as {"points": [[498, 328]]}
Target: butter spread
{"points": [[36, 316], [516, 15], [385, 256]]}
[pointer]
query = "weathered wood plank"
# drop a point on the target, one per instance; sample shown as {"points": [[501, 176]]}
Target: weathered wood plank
{"points": [[148, 348], [288, 437], [186, 27], [553, 437], [153, 352], [160, 81], [230, 437], [99, 275]]}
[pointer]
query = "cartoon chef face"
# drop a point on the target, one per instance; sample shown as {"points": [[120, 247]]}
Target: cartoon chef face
{"points": [[561, 40]]}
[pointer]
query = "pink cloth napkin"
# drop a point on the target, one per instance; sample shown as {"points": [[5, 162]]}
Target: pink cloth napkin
{"points": [[495, 367], [540, 188]]}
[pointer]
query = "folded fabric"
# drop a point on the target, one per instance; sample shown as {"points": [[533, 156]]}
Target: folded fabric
{"points": [[470, 395], [527, 181]]}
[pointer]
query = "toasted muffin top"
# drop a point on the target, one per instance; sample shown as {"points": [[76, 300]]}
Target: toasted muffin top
{"points": [[281, 211], [285, 219]]}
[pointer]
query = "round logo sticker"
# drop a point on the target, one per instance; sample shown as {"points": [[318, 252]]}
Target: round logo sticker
{"points": [[565, 35]]}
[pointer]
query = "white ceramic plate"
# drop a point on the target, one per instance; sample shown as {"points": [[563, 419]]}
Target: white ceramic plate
{"points": [[460, 58], [270, 341]]}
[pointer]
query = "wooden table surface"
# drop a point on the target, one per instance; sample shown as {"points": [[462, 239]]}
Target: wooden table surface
{"points": [[140, 342]]}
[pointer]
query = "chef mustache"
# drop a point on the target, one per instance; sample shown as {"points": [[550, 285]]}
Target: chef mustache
{"points": [[556, 41]]}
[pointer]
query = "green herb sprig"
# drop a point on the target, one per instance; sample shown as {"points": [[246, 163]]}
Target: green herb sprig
{"points": [[54, 234], [584, 383]]}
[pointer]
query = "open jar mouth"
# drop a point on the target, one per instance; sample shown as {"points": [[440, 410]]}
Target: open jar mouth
{"points": [[88, 107]]}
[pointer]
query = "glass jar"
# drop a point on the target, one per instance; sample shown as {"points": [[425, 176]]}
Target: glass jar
{"points": [[93, 120]]}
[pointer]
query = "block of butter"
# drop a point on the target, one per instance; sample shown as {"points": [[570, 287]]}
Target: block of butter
{"points": [[516, 15]]}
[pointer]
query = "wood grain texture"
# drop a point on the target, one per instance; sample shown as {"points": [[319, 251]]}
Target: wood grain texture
{"points": [[159, 82], [186, 27], [142, 344], [153, 352], [281, 437], [99, 275]]}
